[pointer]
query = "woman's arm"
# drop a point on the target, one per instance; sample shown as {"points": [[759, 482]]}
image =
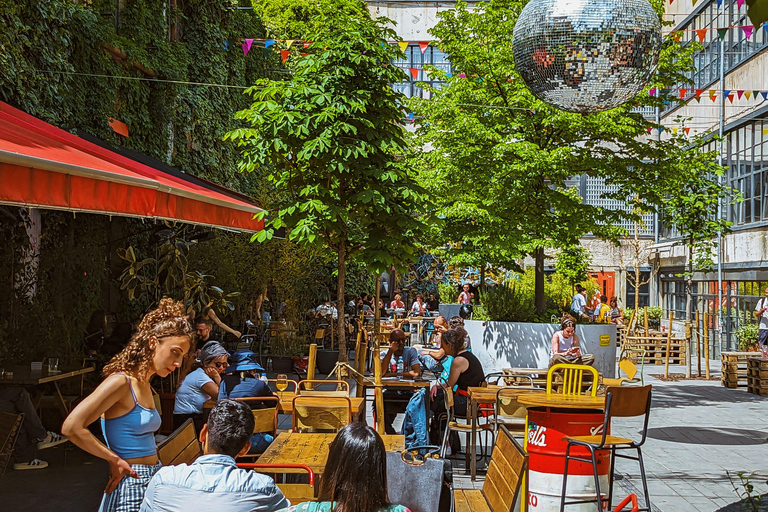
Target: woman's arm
{"points": [[459, 366], [555, 344], [212, 316], [436, 354], [75, 427]]}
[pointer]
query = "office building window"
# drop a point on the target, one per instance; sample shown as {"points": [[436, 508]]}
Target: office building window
{"points": [[415, 59]]}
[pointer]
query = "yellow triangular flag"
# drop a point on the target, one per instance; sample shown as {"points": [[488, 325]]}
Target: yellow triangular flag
{"points": [[747, 94], [403, 46], [674, 130], [289, 42], [765, 131]]}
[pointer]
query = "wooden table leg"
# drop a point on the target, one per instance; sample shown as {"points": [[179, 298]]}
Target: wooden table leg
{"points": [[473, 448]]}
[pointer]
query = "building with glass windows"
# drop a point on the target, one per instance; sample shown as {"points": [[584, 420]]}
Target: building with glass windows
{"points": [[737, 51]]}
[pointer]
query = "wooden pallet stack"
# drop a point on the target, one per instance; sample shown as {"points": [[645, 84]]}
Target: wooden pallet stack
{"points": [[757, 376], [733, 373], [655, 347]]}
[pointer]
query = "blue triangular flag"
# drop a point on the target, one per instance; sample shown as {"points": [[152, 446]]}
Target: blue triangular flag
{"points": [[726, 93], [661, 129], [226, 44], [268, 43], [449, 75], [719, 2], [764, 94]]}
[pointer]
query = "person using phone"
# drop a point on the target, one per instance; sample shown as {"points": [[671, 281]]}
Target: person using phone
{"points": [[566, 347]]}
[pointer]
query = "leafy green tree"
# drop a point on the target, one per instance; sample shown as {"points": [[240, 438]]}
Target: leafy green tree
{"points": [[497, 161], [330, 136], [573, 262], [691, 212], [297, 19]]}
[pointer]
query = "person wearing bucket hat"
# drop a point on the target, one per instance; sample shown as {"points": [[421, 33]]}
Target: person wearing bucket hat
{"points": [[241, 380]]}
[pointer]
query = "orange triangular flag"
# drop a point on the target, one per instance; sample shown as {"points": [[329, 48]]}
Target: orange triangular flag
{"points": [[423, 45], [702, 33], [289, 42], [698, 93], [415, 73], [284, 54], [306, 44], [730, 97], [403, 46], [682, 93], [739, 93], [748, 94], [687, 130]]}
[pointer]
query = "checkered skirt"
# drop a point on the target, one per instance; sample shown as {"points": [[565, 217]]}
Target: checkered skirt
{"points": [[128, 495]]}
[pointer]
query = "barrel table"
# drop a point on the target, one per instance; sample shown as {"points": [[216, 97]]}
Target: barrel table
{"points": [[551, 417]]}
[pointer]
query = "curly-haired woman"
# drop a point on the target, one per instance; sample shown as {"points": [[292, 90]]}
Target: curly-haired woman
{"points": [[124, 401]]}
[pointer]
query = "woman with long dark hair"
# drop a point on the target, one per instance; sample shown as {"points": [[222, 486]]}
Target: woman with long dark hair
{"points": [[355, 477], [124, 401]]}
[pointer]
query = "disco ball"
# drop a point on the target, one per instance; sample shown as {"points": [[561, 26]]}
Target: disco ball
{"points": [[586, 55]]}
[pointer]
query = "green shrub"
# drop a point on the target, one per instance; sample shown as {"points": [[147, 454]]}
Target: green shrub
{"points": [[747, 335], [511, 301], [448, 292]]}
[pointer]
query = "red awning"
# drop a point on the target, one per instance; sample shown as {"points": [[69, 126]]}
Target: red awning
{"points": [[47, 167]]}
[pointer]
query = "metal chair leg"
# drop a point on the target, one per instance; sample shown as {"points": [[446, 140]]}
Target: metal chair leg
{"points": [[642, 476], [565, 477], [610, 479], [598, 496], [443, 447]]}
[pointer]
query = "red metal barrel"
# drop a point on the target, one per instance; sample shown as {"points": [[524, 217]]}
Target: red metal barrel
{"points": [[546, 447]]}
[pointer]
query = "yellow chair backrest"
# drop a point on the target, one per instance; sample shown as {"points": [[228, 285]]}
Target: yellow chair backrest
{"points": [[309, 387], [628, 367], [321, 414], [509, 406], [573, 376]]}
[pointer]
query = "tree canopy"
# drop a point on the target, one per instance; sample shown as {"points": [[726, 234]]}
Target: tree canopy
{"points": [[331, 136], [297, 19]]}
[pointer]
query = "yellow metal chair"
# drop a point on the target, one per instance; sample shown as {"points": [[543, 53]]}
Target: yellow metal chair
{"points": [[321, 413], [264, 419], [573, 377]]}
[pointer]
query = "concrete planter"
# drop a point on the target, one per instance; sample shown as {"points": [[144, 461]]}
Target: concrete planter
{"points": [[500, 345]]}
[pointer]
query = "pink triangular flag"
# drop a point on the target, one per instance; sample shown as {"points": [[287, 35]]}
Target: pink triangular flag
{"points": [[415, 73], [747, 29], [423, 45], [247, 46], [739, 94], [739, 3]]}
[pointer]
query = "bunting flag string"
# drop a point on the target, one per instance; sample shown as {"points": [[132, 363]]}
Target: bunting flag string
{"points": [[701, 33]]}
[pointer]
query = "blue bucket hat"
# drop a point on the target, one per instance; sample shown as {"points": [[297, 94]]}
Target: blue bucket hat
{"points": [[243, 360]]}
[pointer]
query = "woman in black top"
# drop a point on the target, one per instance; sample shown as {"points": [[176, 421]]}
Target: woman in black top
{"points": [[466, 371]]}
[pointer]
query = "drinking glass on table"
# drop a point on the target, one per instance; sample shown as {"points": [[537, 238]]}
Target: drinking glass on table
{"points": [[53, 365], [281, 384]]}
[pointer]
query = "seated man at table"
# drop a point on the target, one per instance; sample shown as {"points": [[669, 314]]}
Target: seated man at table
{"points": [[32, 435], [432, 359], [213, 481], [398, 356]]}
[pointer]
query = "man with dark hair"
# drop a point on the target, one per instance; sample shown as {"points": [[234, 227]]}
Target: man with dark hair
{"points": [[398, 361], [213, 481], [204, 325]]}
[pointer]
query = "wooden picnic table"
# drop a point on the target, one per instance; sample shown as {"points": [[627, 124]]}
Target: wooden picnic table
{"points": [[25, 376], [311, 450], [486, 395]]}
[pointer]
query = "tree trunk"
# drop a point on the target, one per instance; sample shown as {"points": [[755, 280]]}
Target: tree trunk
{"points": [[637, 270], [539, 285], [340, 303], [688, 302], [481, 289]]}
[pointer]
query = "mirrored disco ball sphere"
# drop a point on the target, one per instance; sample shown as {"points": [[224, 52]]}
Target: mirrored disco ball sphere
{"points": [[586, 55]]}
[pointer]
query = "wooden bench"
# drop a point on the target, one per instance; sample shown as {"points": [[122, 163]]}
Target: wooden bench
{"points": [[502, 482], [181, 447]]}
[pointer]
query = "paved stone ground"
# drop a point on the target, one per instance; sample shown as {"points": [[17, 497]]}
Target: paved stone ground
{"points": [[699, 433], [700, 436]]}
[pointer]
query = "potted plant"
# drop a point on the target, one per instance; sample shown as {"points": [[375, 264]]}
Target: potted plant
{"points": [[747, 336], [286, 348]]}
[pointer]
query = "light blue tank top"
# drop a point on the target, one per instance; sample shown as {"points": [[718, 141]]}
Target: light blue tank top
{"points": [[132, 435]]}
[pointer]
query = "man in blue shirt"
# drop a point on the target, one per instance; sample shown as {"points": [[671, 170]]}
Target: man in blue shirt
{"points": [[213, 481], [403, 362], [579, 304]]}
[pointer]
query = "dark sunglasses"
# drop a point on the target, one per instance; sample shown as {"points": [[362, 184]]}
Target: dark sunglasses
{"points": [[221, 365]]}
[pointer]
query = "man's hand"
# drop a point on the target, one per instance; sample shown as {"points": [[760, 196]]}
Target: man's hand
{"points": [[394, 346]]}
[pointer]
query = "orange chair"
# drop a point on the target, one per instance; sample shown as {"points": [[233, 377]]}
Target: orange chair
{"points": [[310, 388], [296, 493], [265, 419]]}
